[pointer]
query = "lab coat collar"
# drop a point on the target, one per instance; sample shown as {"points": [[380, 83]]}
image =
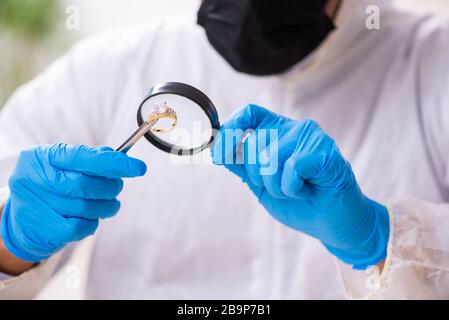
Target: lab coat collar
{"points": [[350, 24]]}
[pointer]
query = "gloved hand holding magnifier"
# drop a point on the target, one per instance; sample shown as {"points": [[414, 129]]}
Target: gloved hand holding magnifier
{"points": [[176, 118]]}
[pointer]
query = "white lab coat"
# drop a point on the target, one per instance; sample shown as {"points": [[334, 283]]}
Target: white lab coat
{"points": [[194, 230]]}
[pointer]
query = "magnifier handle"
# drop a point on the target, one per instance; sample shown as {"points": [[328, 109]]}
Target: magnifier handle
{"points": [[132, 140]]}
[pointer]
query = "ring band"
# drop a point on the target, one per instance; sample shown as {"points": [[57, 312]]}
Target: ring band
{"points": [[163, 111]]}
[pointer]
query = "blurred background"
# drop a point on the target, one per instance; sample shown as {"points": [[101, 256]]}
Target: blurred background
{"points": [[34, 32]]}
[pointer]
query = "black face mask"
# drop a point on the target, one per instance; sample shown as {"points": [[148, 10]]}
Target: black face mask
{"points": [[263, 37]]}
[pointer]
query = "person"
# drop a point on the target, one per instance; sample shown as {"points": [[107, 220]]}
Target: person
{"points": [[363, 184]]}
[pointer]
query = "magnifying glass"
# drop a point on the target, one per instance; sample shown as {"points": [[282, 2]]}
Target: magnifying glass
{"points": [[176, 118]]}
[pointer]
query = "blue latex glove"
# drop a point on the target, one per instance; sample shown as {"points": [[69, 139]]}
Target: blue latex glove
{"points": [[59, 193], [312, 189]]}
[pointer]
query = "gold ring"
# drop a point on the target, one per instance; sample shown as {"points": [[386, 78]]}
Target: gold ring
{"points": [[163, 111]]}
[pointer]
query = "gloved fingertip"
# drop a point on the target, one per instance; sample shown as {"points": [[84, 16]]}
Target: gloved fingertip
{"points": [[216, 153], [104, 148], [214, 150], [94, 226], [141, 168], [120, 185], [277, 194], [216, 159], [116, 205]]}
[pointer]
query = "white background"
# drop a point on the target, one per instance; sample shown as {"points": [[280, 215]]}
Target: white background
{"points": [[100, 15]]}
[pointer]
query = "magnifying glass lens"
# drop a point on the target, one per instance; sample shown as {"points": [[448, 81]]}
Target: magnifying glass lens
{"points": [[193, 128], [196, 119]]}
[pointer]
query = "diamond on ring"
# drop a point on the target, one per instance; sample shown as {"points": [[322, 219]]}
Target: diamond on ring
{"points": [[162, 111]]}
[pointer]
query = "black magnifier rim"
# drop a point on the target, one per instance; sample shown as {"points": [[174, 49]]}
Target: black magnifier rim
{"points": [[188, 92]]}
